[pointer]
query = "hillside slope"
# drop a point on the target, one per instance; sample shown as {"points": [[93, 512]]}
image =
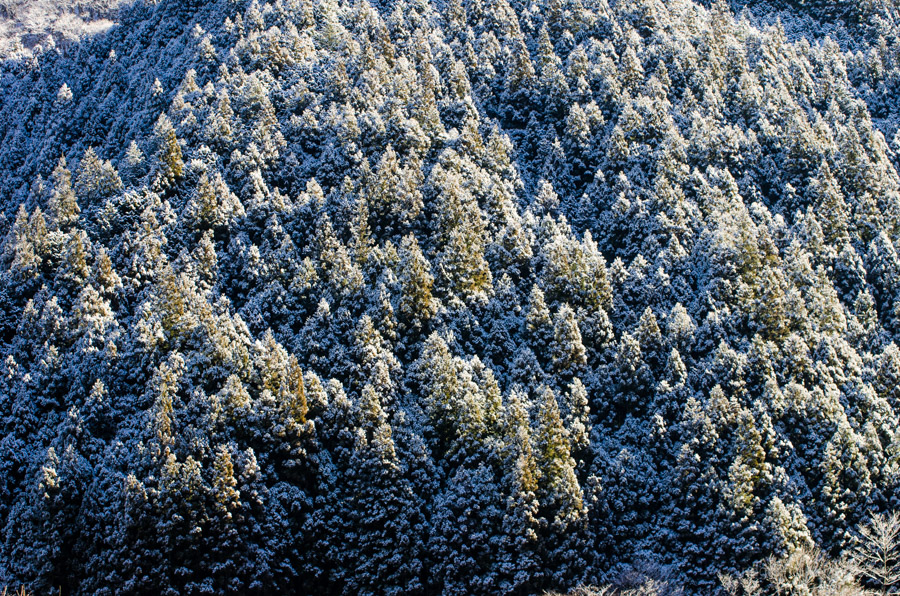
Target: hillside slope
{"points": [[464, 297]]}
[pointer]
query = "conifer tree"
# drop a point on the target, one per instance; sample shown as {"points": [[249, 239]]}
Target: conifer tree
{"points": [[416, 282], [169, 156], [62, 205], [19, 249], [97, 179]]}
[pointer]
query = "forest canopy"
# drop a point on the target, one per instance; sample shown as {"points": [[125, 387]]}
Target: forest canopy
{"points": [[451, 297]]}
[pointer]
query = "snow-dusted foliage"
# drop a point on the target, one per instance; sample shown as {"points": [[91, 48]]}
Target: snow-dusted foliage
{"points": [[449, 297], [34, 26]]}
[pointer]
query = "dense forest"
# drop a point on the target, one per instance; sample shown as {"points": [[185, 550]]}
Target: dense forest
{"points": [[453, 297]]}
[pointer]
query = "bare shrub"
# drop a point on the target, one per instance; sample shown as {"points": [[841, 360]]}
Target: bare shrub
{"points": [[876, 554], [803, 572]]}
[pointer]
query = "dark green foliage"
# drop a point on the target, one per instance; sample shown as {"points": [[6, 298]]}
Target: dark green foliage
{"points": [[457, 297]]}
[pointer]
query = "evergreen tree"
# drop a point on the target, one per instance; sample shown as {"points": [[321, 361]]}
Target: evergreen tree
{"points": [[416, 301], [62, 205], [96, 179], [170, 161]]}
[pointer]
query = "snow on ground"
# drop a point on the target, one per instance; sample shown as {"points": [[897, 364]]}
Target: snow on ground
{"points": [[30, 26]]}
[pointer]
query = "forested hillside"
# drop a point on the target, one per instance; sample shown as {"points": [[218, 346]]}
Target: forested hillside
{"points": [[448, 296]]}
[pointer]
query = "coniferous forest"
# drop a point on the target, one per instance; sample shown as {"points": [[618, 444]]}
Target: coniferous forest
{"points": [[458, 297]]}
